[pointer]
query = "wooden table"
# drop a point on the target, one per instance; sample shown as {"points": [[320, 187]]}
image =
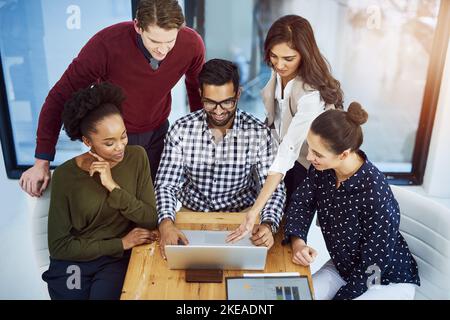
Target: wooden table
{"points": [[148, 276]]}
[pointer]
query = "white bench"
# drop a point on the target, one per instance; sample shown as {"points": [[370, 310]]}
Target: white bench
{"points": [[39, 235], [425, 224]]}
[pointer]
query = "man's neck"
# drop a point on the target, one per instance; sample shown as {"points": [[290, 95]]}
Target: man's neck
{"points": [[153, 62], [220, 131]]}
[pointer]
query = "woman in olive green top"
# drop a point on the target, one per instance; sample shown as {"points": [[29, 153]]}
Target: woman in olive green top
{"points": [[102, 202]]}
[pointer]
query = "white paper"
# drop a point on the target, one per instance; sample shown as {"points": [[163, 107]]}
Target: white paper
{"points": [[277, 274]]}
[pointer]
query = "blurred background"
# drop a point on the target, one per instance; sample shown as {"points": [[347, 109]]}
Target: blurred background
{"points": [[379, 51]]}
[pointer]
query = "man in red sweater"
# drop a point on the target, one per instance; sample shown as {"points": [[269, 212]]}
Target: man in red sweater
{"points": [[146, 58]]}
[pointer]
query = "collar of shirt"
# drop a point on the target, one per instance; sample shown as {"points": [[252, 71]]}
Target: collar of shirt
{"points": [[286, 91], [145, 52], [355, 180], [230, 132]]}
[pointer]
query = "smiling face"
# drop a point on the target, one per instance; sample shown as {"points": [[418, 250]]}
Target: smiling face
{"points": [[220, 117], [285, 60], [319, 154], [110, 139], [156, 40]]}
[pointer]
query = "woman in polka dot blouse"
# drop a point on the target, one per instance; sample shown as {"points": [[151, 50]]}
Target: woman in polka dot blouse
{"points": [[357, 212]]}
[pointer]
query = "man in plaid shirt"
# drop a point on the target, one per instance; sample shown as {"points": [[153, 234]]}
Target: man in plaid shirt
{"points": [[217, 159]]}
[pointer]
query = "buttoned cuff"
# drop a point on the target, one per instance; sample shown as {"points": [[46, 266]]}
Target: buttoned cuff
{"points": [[271, 218], [288, 235], [273, 228], [166, 215]]}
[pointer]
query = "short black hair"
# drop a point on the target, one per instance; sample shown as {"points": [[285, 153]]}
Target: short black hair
{"points": [[90, 105], [218, 72]]}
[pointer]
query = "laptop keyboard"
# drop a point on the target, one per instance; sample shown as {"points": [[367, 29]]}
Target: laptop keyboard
{"points": [[213, 238]]}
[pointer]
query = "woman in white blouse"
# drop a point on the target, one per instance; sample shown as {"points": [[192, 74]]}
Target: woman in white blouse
{"points": [[301, 87]]}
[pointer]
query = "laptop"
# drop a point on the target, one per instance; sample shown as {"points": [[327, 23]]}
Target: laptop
{"points": [[208, 250]]}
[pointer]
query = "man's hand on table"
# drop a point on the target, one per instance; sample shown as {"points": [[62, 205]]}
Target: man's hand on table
{"points": [[170, 235]]}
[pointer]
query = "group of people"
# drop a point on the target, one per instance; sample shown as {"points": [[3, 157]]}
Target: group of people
{"points": [[305, 159]]}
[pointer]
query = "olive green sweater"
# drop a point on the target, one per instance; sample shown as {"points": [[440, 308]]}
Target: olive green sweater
{"points": [[86, 221]]}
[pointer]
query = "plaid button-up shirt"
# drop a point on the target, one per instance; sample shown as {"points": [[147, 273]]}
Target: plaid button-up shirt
{"points": [[212, 176]]}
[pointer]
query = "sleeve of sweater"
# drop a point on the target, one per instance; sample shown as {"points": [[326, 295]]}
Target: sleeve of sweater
{"points": [[90, 65], [62, 244], [139, 208], [192, 84]]}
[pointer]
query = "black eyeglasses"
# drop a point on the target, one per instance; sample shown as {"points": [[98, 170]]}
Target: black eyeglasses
{"points": [[226, 104]]}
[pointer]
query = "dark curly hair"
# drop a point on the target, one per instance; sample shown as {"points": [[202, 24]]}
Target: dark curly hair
{"points": [[88, 106]]}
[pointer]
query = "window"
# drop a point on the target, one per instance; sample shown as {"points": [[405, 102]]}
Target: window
{"points": [[388, 55], [38, 40]]}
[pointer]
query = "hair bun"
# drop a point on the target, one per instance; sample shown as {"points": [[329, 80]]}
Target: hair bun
{"points": [[357, 114]]}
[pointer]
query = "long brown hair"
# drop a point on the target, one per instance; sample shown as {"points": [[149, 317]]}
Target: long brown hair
{"points": [[314, 68]]}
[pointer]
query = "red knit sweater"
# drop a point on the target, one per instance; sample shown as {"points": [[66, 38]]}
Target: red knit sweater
{"points": [[113, 55]]}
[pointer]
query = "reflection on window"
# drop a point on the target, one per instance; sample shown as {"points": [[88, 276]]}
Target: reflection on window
{"points": [[38, 40], [379, 50]]}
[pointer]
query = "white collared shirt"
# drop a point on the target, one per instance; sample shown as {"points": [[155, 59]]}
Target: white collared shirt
{"points": [[309, 106], [282, 104]]}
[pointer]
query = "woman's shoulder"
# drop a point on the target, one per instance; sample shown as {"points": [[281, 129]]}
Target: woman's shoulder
{"points": [[65, 168], [301, 89], [371, 173], [135, 151], [135, 155], [374, 182], [63, 173], [307, 100]]}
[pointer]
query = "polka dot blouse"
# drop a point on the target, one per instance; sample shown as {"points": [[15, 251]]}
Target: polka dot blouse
{"points": [[360, 224]]}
